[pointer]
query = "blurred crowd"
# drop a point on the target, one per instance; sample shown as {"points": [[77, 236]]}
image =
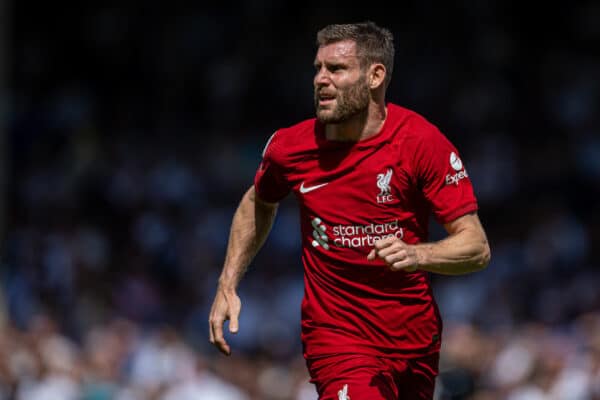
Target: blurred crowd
{"points": [[132, 134], [119, 360]]}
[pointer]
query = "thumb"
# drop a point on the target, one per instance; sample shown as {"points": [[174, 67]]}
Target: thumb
{"points": [[234, 322], [234, 319], [233, 311]]}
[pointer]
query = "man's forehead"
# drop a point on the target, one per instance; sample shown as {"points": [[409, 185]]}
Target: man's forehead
{"points": [[343, 49]]}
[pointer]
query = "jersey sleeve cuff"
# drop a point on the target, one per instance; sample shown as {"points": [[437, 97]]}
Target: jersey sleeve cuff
{"points": [[451, 215]]}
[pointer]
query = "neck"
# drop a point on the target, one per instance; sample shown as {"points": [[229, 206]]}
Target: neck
{"points": [[359, 127]]}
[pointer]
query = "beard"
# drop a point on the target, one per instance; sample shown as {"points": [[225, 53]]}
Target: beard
{"points": [[349, 102]]}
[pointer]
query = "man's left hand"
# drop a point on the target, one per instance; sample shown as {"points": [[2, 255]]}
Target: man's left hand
{"points": [[396, 254]]}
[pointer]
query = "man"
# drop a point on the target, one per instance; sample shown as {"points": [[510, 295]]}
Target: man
{"points": [[367, 175]]}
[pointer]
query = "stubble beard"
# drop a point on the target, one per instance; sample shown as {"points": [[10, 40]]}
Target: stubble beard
{"points": [[349, 102]]}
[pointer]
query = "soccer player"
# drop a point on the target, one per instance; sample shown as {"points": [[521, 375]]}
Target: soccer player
{"points": [[367, 174]]}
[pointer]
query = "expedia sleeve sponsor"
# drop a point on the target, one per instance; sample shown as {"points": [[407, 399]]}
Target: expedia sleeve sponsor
{"points": [[443, 177], [458, 168]]}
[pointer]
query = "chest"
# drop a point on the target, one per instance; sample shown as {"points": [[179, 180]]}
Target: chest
{"points": [[354, 185]]}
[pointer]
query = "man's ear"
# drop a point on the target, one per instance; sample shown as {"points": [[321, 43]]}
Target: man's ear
{"points": [[376, 75]]}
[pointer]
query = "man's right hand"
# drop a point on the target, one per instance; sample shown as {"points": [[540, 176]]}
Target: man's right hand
{"points": [[226, 306]]}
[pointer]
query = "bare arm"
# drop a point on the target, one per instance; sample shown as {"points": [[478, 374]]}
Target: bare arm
{"points": [[465, 250], [250, 227]]}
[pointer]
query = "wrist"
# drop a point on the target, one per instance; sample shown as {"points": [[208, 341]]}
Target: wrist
{"points": [[421, 255], [226, 285]]}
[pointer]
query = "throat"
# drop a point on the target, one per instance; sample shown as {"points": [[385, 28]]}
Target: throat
{"points": [[352, 132]]}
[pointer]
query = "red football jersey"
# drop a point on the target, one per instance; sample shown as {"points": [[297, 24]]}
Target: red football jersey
{"points": [[350, 195]]}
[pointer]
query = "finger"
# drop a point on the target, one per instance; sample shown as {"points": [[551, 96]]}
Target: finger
{"points": [[212, 321], [392, 249], [223, 346], [211, 336], [217, 337], [395, 257], [385, 242], [406, 264], [389, 241], [234, 321], [372, 255]]}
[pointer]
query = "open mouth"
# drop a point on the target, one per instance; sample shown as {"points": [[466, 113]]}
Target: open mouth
{"points": [[325, 99]]}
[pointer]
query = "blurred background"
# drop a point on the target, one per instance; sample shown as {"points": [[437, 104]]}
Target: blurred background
{"points": [[130, 131]]}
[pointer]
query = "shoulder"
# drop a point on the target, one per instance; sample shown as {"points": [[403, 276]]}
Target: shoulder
{"points": [[413, 124], [289, 138], [415, 132], [297, 132]]}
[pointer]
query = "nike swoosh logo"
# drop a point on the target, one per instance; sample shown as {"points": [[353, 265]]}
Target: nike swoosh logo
{"points": [[306, 189]]}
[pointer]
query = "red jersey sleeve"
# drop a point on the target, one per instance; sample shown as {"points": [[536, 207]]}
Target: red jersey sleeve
{"points": [[443, 177], [269, 181]]}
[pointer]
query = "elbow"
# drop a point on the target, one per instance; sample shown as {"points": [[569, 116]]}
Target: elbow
{"points": [[484, 257]]}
